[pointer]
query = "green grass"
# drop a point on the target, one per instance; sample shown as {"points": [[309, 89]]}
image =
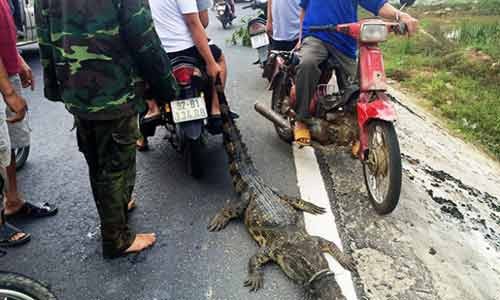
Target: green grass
{"points": [[459, 74]]}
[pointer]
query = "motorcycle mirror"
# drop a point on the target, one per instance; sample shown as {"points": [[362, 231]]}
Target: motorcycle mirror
{"points": [[406, 3]]}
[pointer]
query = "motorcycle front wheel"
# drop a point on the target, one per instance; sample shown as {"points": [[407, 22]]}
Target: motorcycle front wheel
{"points": [[18, 287], [21, 155], [382, 169]]}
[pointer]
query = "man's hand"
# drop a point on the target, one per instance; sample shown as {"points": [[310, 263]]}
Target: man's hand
{"points": [[26, 74], [299, 44], [411, 23], [214, 70], [18, 105], [269, 28]]}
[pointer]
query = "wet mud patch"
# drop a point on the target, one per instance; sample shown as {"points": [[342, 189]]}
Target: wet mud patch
{"points": [[458, 202], [386, 267]]}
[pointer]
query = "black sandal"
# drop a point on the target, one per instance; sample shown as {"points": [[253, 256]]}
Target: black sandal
{"points": [[29, 210], [7, 232]]}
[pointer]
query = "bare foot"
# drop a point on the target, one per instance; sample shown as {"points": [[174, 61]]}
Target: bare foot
{"points": [[153, 110], [131, 204], [142, 241], [11, 207]]}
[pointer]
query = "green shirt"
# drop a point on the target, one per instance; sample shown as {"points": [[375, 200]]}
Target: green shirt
{"points": [[96, 54]]}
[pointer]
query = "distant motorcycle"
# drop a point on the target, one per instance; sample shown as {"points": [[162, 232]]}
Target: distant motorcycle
{"points": [[346, 112], [224, 13]]}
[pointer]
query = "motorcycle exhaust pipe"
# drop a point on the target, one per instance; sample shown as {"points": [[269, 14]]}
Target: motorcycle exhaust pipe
{"points": [[272, 116]]}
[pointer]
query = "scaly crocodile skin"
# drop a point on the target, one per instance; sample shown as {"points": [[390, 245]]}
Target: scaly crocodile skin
{"points": [[276, 224]]}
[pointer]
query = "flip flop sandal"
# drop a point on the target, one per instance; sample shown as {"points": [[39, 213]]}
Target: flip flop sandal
{"points": [[153, 118], [29, 210], [214, 125], [7, 232], [302, 137]]}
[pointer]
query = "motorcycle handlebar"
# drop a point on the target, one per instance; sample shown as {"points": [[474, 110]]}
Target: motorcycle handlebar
{"points": [[329, 28]]}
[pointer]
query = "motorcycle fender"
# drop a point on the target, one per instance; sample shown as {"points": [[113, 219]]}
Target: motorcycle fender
{"points": [[191, 129], [378, 109], [276, 79]]}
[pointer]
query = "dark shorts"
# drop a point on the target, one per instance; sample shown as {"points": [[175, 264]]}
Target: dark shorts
{"points": [[283, 45], [193, 52]]}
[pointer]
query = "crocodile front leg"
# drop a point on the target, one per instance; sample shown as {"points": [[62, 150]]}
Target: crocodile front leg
{"points": [[303, 205], [330, 247], [231, 210], [255, 279]]}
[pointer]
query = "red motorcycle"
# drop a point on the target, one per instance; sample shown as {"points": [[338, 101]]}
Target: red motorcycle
{"points": [[346, 113]]}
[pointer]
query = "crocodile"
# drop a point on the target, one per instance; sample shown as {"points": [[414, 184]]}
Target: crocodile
{"points": [[275, 222]]}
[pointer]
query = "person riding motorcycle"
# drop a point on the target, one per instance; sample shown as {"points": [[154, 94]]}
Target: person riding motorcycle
{"points": [[181, 28], [283, 24], [317, 47]]}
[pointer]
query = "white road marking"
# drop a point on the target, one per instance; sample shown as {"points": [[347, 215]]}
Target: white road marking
{"points": [[312, 189]]}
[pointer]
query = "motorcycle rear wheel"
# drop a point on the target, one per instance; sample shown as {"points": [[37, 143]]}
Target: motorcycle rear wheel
{"points": [[18, 287], [277, 99], [382, 169], [192, 157], [21, 155]]}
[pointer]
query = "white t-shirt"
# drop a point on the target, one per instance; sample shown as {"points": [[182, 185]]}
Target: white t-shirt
{"points": [[170, 25], [286, 20]]}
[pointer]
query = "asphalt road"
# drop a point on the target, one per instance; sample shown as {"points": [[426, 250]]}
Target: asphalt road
{"points": [[188, 262]]}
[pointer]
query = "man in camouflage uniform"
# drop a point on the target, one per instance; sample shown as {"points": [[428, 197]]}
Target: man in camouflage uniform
{"points": [[94, 54]]}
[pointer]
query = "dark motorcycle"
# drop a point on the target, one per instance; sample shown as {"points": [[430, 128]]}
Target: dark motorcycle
{"points": [[224, 13], [258, 5], [185, 118], [257, 30]]}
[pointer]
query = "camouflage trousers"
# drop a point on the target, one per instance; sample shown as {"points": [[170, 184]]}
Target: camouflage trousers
{"points": [[110, 151]]}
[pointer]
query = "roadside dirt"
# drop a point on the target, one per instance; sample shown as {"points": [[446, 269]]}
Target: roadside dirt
{"points": [[443, 241]]}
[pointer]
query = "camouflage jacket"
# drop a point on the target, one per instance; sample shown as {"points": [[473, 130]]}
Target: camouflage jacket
{"points": [[95, 54]]}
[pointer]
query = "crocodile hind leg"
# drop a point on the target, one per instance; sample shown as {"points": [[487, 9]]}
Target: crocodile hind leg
{"points": [[255, 279], [330, 247], [304, 205], [231, 210]]}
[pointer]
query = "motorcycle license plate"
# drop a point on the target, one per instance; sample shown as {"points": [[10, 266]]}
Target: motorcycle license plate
{"points": [[259, 40], [189, 110]]}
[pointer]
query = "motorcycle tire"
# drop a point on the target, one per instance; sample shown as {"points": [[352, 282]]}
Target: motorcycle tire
{"points": [[18, 287], [21, 155], [224, 25], [390, 157], [277, 98], [192, 157]]}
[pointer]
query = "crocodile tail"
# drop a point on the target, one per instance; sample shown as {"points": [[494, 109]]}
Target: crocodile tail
{"points": [[241, 163]]}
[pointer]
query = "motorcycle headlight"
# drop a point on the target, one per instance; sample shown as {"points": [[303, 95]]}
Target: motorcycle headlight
{"points": [[373, 33], [261, 1]]}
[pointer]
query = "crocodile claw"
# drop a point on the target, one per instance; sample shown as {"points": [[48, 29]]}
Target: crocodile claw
{"points": [[255, 282], [218, 223], [347, 263], [313, 209]]}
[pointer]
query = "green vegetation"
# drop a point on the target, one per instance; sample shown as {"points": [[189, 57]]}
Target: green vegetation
{"points": [[241, 34], [455, 65]]}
